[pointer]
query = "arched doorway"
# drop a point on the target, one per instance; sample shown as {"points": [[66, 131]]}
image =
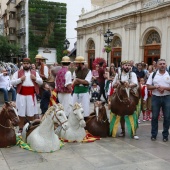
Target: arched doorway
{"points": [[152, 47], [116, 51], [91, 53]]}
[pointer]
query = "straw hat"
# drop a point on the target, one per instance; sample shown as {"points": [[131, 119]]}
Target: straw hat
{"points": [[40, 57], [66, 59], [79, 59]]}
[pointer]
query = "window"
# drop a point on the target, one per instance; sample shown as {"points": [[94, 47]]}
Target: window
{"points": [[117, 42], [153, 38]]}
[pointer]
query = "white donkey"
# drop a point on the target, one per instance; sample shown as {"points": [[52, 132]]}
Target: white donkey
{"points": [[43, 138], [76, 123]]}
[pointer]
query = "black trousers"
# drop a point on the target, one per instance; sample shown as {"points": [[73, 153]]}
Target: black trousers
{"points": [[102, 91]]}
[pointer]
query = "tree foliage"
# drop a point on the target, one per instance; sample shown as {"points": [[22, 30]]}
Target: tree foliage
{"points": [[47, 26], [7, 50]]}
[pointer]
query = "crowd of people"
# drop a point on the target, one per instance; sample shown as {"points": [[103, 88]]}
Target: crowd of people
{"points": [[73, 82]]}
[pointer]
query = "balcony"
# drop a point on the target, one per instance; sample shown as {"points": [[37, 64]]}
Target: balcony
{"points": [[11, 23], [19, 3], [12, 37], [22, 13]]}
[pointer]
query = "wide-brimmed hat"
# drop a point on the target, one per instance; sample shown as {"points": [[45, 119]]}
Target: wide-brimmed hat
{"points": [[40, 57], [125, 62], [79, 59], [26, 60], [65, 59]]}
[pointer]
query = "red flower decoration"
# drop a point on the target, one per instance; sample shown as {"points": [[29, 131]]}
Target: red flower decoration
{"points": [[97, 61]]}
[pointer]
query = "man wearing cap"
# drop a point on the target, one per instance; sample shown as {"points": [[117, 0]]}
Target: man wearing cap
{"points": [[27, 82], [64, 85], [43, 69], [82, 78], [131, 81]]}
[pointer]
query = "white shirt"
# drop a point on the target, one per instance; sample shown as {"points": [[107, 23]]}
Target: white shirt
{"points": [[5, 82], [159, 80], [68, 78], [27, 82], [125, 77], [46, 72]]}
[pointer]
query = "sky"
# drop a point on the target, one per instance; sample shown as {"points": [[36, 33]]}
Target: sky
{"points": [[74, 8]]}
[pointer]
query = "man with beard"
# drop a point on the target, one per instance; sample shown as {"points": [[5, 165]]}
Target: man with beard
{"points": [[27, 82], [131, 81], [43, 69], [82, 78]]}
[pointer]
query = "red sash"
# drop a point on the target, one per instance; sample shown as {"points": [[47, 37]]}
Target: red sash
{"points": [[28, 90]]}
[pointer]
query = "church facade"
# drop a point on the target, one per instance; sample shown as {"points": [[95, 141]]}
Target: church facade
{"points": [[141, 31]]}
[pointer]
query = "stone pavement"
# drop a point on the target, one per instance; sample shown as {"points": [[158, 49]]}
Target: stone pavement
{"points": [[105, 154]]}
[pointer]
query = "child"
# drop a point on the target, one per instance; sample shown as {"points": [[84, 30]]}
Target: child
{"points": [[144, 95], [45, 100], [95, 89]]}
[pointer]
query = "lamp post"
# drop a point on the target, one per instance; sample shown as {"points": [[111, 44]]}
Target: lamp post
{"points": [[108, 37], [66, 44]]}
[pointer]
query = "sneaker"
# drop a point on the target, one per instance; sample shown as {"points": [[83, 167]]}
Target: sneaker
{"points": [[136, 137], [148, 118], [144, 120], [138, 120], [153, 138], [165, 139]]}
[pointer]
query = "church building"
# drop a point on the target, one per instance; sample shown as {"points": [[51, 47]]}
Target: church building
{"points": [[141, 31]]}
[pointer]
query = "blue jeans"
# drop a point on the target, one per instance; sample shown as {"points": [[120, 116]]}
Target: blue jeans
{"points": [[5, 91], [157, 103]]}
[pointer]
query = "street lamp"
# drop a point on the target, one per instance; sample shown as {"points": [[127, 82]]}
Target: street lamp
{"points": [[66, 44], [108, 37]]}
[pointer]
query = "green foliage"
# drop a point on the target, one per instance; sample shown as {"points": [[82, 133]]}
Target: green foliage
{"points": [[108, 49], [42, 33], [7, 50]]}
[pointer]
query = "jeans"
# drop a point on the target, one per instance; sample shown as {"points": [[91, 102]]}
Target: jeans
{"points": [[157, 103], [5, 91]]}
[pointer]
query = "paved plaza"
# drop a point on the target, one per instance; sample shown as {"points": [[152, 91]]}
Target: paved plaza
{"points": [[105, 154]]}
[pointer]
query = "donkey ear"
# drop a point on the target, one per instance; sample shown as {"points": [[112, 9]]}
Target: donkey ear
{"points": [[7, 103], [121, 82]]}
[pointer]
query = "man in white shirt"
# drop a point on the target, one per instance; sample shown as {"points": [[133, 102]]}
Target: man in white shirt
{"points": [[6, 86], [159, 83], [64, 85], [27, 82], [82, 78]]}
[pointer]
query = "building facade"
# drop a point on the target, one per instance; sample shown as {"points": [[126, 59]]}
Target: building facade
{"points": [[141, 31]]}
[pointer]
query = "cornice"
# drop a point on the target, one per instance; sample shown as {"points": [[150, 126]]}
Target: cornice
{"points": [[123, 16]]}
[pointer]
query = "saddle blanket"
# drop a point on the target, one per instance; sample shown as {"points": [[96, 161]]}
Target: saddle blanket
{"points": [[88, 138]]}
